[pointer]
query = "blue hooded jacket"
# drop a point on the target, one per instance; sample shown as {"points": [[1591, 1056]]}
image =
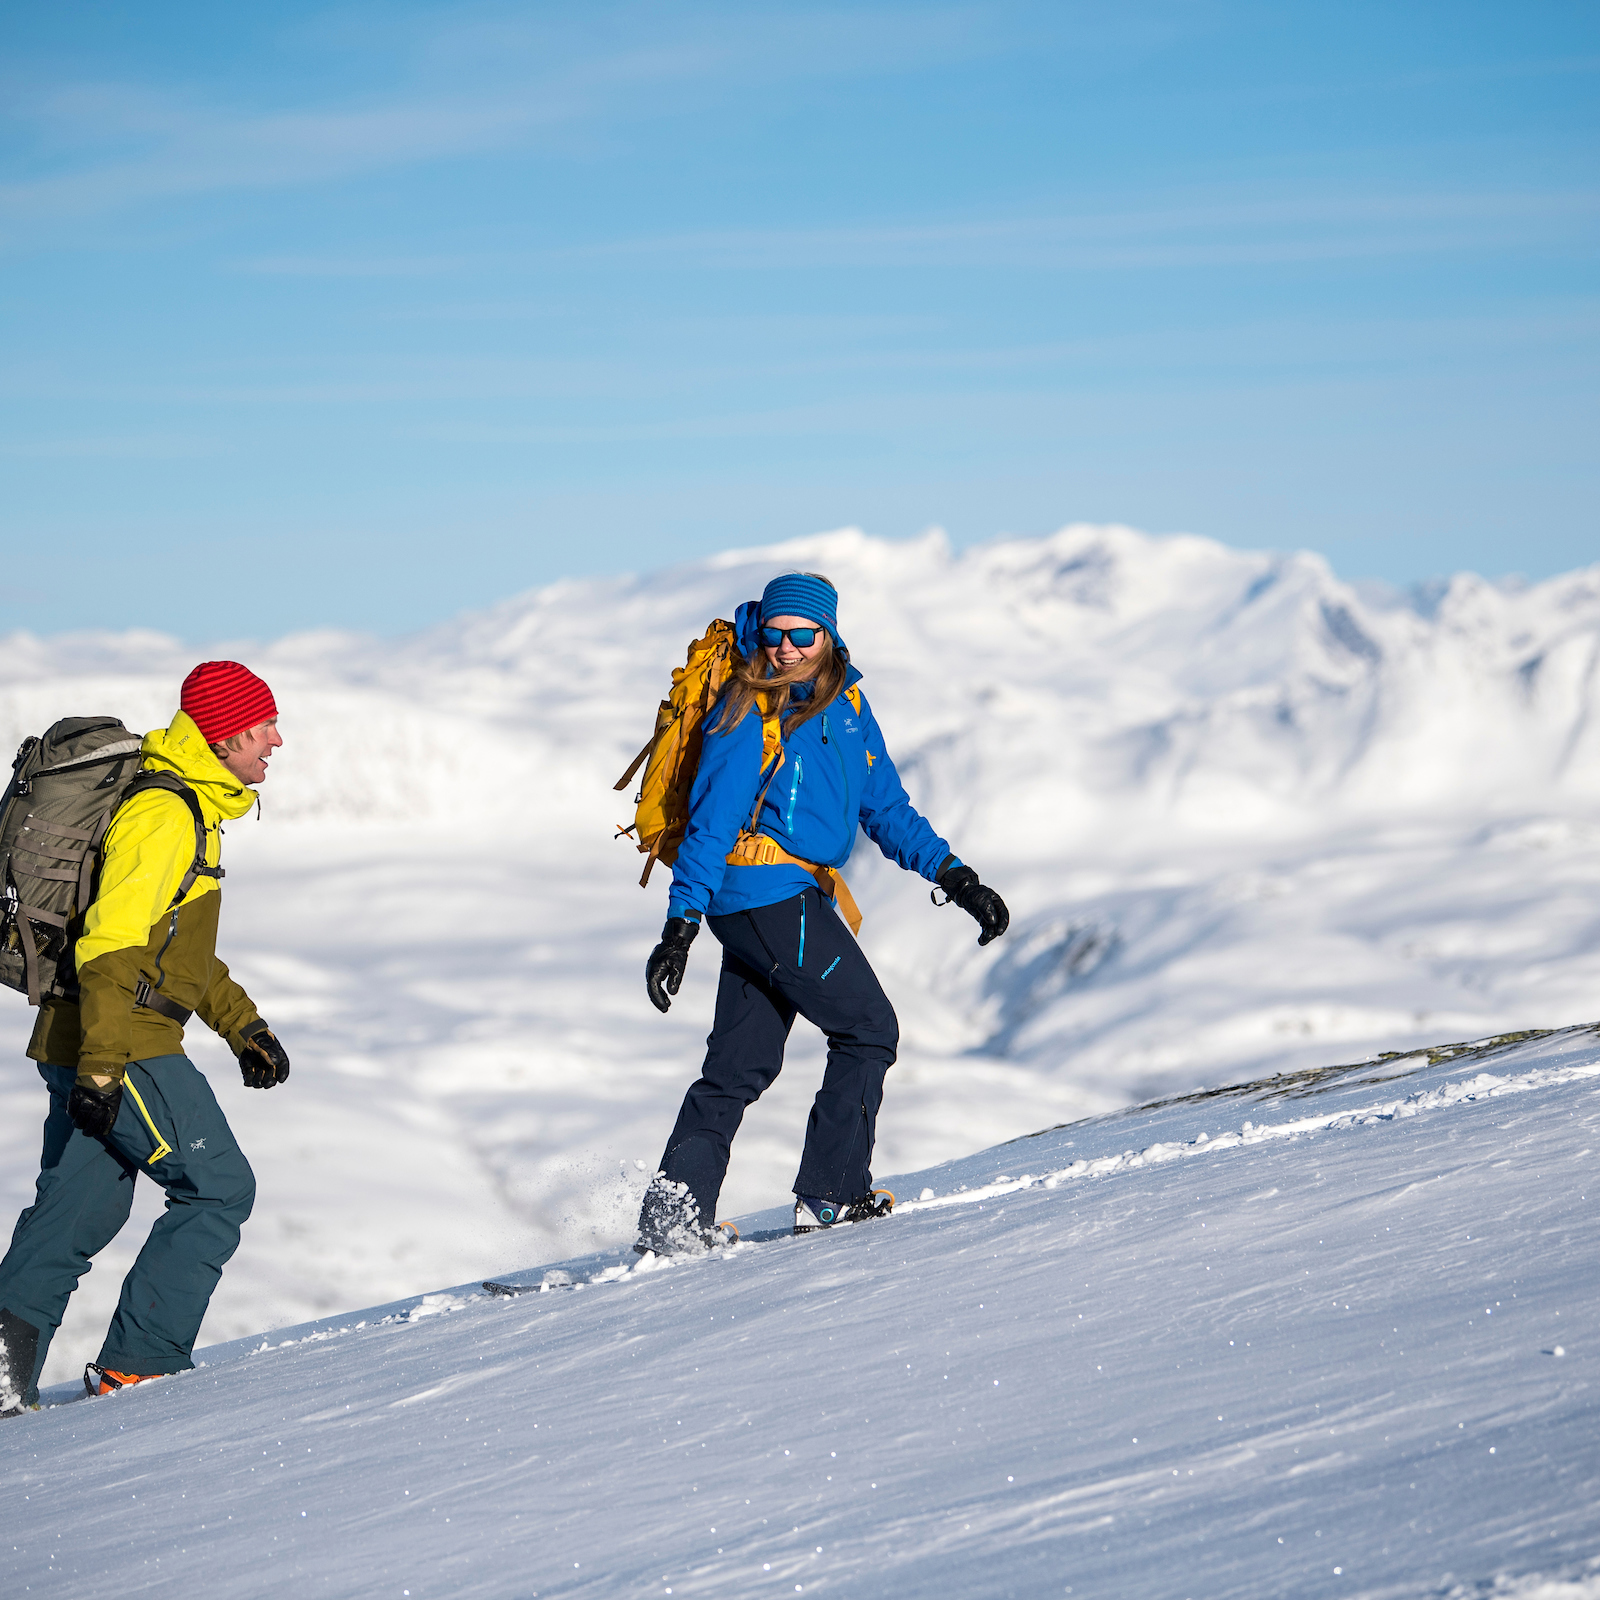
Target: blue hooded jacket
{"points": [[836, 775]]}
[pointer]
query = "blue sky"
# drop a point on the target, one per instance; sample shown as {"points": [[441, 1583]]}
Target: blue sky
{"points": [[356, 315]]}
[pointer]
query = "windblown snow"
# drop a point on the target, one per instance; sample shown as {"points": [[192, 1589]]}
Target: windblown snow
{"points": [[1249, 819]]}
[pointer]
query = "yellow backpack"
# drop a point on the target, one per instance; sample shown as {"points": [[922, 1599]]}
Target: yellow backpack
{"points": [[672, 753]]}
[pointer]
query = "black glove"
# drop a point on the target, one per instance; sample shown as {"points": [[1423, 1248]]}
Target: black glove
{"points": [[263, 1061], [94, 1111], [663, 972], [961, 885]]}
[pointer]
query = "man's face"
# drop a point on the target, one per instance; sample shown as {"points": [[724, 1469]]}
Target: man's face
{"points": [[249, 762]]}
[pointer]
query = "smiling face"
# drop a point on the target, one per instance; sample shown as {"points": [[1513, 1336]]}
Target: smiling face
{"points": [[249, 762], [787, 653]]}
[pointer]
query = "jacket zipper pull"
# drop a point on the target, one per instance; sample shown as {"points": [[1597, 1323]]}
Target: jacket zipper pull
{"points": [[824, 727]]}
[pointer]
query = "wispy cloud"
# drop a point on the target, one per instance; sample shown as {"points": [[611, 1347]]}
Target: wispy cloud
{"points": [[191, 150], [485, 82], [1470, 76], [598, 398], [398, 266], [110, 447], [1219, 231], [1215, 230]]}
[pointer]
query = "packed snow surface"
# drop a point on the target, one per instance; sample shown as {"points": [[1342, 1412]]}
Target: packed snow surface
{"points": [[1247, 818], [1326, 1334]]}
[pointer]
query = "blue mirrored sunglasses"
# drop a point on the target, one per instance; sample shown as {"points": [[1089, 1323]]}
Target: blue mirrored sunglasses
{"points": [[800, 638]]}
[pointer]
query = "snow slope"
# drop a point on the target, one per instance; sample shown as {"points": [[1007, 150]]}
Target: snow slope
{"points": [[1331, 1334], [1247, 818]]}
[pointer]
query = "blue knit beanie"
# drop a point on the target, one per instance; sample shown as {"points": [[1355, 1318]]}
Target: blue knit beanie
{"points": [[798, 594]]}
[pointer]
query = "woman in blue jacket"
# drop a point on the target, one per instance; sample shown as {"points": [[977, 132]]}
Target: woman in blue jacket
{"points": [[764, 841]]}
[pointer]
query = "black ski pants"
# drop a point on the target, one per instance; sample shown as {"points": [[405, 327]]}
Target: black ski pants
{"points": [[793, 958]]}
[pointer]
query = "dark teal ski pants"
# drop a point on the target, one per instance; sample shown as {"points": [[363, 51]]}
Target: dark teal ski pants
{"points": [[170, 1128]]}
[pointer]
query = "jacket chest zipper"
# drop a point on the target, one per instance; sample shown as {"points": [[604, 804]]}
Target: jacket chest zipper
{"points": [[172, 933], [844, 774], [794, 792]]}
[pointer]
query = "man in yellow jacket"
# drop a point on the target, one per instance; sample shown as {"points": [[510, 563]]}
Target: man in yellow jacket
{"points": [[124, 1099]]}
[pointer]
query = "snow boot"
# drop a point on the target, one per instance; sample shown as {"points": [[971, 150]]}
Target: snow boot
{"points": [[811, 1214], [19, 1350], [110, 1382], [670, 1224]]}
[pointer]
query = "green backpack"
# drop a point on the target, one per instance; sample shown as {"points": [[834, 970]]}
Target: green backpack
{"points": [[66, 786]]}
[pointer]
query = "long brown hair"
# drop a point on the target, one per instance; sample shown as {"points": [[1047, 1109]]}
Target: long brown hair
{"points": [[755, 679]]}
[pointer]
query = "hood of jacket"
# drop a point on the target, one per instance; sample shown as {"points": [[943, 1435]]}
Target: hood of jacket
{"points": [[181, 750], [747, 621]]}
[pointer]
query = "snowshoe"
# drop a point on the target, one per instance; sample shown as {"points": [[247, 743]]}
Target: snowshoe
{"points": [[111, 1382], [811, 1214], [555, 1279], [686, 1240]]}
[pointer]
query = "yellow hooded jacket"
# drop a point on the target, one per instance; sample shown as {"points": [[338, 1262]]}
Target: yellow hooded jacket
{"points": [[131, 931]]}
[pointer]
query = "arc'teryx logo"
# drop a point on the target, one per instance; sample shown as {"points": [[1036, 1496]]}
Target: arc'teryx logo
{"points": [[199, 1144]]}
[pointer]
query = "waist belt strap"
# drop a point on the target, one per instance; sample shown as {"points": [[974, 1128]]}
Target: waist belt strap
{"points": [[757, 850], [151, 1000]]}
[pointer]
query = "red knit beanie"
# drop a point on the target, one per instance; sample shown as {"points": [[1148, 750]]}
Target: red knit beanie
{"points": [[224, 698]]}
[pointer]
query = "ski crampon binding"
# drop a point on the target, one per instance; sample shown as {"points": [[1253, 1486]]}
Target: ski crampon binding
{"points": [[109, 1382]]}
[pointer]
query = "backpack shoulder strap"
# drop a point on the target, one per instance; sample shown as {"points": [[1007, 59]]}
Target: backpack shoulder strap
{"points": [[147, 781], [771, 738], [772, 757], [853, 695]]}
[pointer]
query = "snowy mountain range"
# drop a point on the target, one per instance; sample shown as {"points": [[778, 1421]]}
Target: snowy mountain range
{"points": [[1248, 819], [1211, 687]]}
